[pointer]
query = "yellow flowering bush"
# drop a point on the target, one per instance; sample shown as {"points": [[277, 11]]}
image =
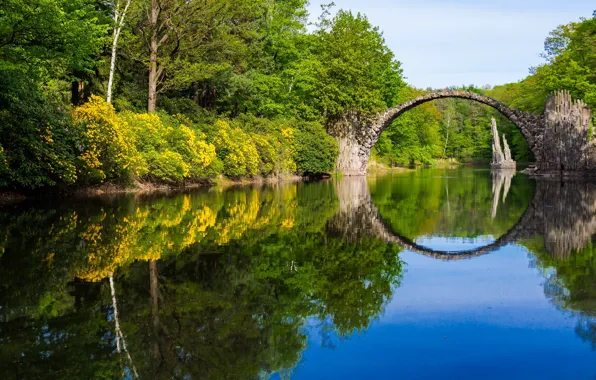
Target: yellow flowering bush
{"points": [[267, 156], [172, 153], [236, 150], [172, 149], [193, 148], [286, 150], [107, 150], [147, 131]]}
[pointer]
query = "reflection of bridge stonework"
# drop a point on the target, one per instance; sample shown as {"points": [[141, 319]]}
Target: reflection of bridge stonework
{"points": [[564, 213], [564, 124], [567, 211]]}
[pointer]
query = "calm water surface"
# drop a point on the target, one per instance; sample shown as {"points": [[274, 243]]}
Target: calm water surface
{"points": [[430, 274]]}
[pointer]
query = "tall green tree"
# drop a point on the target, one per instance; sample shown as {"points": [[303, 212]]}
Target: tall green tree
{"points": [[182, 42], [52, 39], [358, 72]]}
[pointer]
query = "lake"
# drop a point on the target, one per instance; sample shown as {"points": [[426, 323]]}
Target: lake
{"points": [[434, 273]]}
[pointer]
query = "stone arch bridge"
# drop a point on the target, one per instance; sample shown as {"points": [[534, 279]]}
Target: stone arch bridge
{"points": [[559, 138], [563, 213]]}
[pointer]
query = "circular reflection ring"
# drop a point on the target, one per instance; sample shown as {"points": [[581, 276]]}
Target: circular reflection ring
{"points": [[516, 232]]}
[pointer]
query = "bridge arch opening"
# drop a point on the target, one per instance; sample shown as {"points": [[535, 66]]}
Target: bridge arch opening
{"points": [[357, 137]]}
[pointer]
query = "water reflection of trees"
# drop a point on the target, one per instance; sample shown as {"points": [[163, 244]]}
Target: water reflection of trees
{"points": [[450, 203], [564, 247], [559, 226], [214, 285], [570, 284], [220, 284]]}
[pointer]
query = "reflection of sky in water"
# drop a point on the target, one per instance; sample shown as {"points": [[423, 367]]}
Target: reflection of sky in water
{"points": [[441, 243], [438, 325]]}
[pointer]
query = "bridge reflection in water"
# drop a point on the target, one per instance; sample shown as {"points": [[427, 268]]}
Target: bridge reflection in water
{"points": [[564, 213]]}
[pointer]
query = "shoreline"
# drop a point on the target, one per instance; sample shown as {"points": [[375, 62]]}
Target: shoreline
{"points": [[10, 197]]}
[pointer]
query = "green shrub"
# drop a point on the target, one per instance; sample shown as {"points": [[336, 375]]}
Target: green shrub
{"points": [[316, 151], [3, 168], [39, 141], [274, 140], [186, 107]]}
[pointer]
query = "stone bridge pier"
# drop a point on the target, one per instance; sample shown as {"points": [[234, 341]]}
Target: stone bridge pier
{"points": [[559, 138]]}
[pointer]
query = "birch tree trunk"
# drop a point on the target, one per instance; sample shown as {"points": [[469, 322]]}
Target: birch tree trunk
{"points": [[118, 23], [153, 46]]}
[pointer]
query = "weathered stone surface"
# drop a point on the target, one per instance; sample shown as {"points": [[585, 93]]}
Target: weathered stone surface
{"points": [[501, 157], [562, 130], [566, 146], [507, 151], [351, 135]]}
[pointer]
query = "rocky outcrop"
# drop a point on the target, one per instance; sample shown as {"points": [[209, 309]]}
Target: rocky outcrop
{"points": [[501, 157], [568, 149]]}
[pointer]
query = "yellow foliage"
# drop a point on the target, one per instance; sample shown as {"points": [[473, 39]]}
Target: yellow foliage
{"points": [[287, 223], [107, 151], [152, 231], [138, 145], [237, 150], [172, 153], [198, 153]]}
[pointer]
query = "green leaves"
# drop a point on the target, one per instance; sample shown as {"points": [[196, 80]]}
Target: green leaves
{"points": [[316, 151], [51, 38], [359, 73]]}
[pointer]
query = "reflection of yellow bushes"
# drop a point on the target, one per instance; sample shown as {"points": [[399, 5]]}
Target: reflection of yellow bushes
{"points": [[202, 219], [168, 227], [242, 215], [110, 243], [287, 223], [146, 235]]}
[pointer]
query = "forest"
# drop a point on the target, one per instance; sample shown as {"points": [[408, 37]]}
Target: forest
{"points": [[176, 91]]}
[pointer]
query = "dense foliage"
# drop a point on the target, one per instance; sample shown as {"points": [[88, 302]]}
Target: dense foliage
{"points": [[246, 78], [224, 87]]}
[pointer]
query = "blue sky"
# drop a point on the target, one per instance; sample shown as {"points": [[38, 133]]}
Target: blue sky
{"points": [[456, 42]]}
